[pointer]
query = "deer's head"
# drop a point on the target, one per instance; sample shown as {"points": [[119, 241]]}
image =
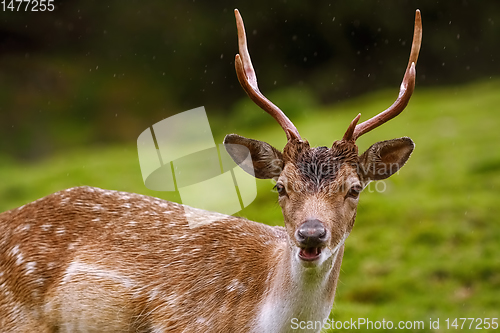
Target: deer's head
{"points": [[319, 187]]}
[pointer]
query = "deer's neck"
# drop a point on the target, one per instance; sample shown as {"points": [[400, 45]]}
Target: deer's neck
{"points": [[297, 293]]}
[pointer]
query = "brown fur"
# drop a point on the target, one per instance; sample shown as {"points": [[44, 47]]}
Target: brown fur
{"points": [[149, 244]]}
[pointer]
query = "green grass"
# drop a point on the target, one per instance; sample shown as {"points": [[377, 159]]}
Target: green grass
{"points": [[426, 247]]}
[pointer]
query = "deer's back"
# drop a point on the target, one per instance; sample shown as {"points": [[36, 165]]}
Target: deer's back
{"points": [[95, 260]]}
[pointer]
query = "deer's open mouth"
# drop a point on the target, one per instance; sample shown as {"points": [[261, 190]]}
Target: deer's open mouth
{"points": [[310, 253]]}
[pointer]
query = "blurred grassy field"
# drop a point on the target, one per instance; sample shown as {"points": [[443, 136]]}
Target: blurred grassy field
{"points": [[426, 247]]}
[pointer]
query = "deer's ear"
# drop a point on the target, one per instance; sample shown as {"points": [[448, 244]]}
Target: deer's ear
{"points": [[267, 161], [385, 158]]}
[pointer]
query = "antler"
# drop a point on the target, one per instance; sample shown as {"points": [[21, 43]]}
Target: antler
{"points": [[248, 80], [407, 86]]}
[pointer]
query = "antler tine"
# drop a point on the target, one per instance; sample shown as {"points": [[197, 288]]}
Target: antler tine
{"points": [[405, 91], [248, 80]]}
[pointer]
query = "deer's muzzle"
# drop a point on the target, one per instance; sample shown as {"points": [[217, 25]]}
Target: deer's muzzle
{"points": [[311, 236]]}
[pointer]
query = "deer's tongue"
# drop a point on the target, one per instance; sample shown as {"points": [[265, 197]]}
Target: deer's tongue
{"points": [[310, 253]]}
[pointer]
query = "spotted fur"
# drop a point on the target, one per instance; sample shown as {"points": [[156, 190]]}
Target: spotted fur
{"points": [[109, 261]]}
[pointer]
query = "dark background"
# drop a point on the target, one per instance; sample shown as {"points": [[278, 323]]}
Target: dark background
{"points": [[95, 72]]}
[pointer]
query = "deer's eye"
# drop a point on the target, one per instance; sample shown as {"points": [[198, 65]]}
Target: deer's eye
{"points": [[354, 191], [280, 188]]}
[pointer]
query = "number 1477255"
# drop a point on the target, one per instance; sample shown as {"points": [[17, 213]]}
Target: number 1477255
{"points": [[27, 5]]}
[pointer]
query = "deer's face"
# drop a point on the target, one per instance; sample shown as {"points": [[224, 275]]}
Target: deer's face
{"points": [[318, 188], [318, 192]]}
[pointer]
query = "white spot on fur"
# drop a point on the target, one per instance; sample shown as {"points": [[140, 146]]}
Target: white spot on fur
{"points": [[17, 253], [97, 207], [19, 259], [40, 281], [153, 294], [161, 204], [15, 310], [197, 217], [3, 288], [235, 285], [46, 227], [30, 267], [95, 272], [124, 196]]}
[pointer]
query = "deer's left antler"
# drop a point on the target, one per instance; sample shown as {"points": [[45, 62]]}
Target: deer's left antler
{"points": [[407, 86]]}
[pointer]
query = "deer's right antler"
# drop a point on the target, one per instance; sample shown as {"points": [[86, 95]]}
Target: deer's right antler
{"points": [[407, 86], [248, 80]]}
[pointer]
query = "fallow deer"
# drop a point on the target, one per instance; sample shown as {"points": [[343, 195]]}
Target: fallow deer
{"points": [[93, 260]]}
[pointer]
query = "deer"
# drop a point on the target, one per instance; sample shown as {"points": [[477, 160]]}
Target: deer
{"points": [[92, 260]]}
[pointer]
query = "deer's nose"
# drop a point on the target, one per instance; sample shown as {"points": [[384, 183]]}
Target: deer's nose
{"points": [[311, 233]]}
